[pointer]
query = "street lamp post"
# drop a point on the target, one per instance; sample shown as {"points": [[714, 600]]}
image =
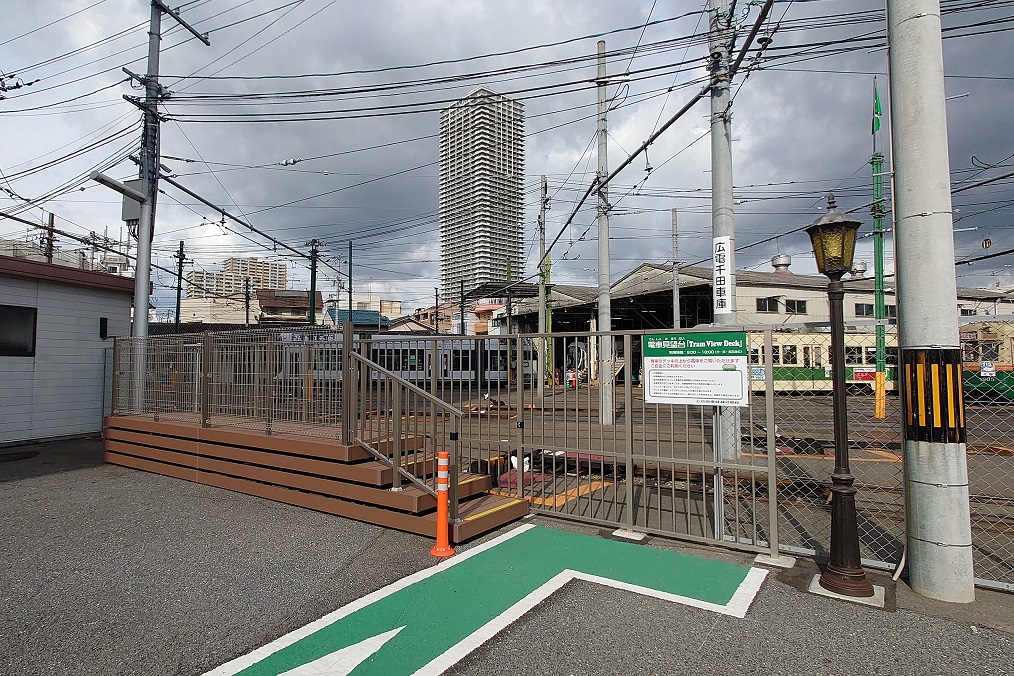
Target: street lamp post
{"points": [[833, 237]]}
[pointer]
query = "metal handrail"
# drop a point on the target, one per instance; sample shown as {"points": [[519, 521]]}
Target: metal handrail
{"points": [[402, 386], [407, 384]]}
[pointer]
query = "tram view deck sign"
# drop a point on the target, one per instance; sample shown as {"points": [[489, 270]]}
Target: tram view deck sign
{"points": [[705, 369]]}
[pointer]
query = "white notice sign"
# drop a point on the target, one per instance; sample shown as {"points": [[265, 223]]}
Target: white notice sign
{"points": [[703, 369]]}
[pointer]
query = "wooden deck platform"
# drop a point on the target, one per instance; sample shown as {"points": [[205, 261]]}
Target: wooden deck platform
{"points": [[312, 472]]}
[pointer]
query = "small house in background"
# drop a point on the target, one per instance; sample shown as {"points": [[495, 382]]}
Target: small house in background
{"points": [[287, 306], [409, 324], [56, 329]]}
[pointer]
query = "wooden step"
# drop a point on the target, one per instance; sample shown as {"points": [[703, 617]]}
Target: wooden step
{"points": [[486, 513], [303, 472]]}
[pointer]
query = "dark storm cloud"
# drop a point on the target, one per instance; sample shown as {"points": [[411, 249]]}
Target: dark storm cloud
{"points": [[790, 126]]}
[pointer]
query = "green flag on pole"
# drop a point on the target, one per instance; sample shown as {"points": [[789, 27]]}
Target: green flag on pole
{"points": [[876, 108]]}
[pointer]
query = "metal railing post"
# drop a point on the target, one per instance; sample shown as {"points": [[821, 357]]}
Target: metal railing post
{"points": [[348, 401], [207, 374], [628, 433], [455, 463], [269, 383], [115, 407], [396, 414], [158, 357], [519, 394], [772, 442]]}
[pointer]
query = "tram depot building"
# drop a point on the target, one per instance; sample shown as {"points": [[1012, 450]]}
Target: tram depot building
{"points": [[643, 300]]}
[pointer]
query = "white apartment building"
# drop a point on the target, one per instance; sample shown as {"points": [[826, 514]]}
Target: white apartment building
{"points": [[232, 278], [482, 158]]}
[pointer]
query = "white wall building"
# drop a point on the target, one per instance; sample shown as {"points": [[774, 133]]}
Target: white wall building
{"points": [[231, 310], [57, 325], [482, 167]]}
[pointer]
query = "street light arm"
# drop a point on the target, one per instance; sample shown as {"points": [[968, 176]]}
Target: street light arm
{"points": [[119, 187]]}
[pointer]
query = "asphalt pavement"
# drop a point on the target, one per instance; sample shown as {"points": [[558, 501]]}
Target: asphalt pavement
{"points": [[114, 571]]}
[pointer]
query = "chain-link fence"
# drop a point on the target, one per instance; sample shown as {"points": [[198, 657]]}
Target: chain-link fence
{"points": [[801, 369], [987, 352]]}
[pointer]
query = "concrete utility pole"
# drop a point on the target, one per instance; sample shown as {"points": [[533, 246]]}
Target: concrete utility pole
{"points": [[350, 284], [180, 259], [49, 238], [936, 473], [153, 92], [246, 299], [436, 309], [314, 252], [605, 322], [543, 199], [677, 321], [723, 230]]}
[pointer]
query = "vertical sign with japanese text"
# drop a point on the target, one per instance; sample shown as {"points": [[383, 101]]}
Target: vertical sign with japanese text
{"points": [[706, 369], [722, 287]]}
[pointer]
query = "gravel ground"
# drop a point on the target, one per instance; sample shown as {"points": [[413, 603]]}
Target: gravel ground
{"points": [[113, 571]]}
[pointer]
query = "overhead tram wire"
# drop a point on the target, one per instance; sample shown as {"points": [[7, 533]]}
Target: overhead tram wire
{"points": [[430, 106], [277, 37], [51, 23], [403, 171], [242, 222], [561, 64], [292, 6], [125, 32], [651, 139], [522, 71], [446, 61]]}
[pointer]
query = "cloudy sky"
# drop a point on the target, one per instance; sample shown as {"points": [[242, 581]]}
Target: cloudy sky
{"points": [[353, 91]]}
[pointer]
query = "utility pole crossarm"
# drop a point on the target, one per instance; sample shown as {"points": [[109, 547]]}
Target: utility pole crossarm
{"points": [[203, 37], [143, 105], [143, 81]]}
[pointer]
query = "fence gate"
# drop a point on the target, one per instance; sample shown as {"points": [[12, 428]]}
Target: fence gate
{"points": [[653, 469]]}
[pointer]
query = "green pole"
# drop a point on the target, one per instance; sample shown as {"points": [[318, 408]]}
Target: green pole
{"points": [[878, 211]]}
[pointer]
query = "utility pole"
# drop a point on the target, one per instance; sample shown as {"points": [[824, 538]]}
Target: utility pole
{"points": [[314, 251], [936, 472], [543, 199], [878, 212], [726, 440], [153, 92], [436, 309], [605, 322], [677, 320], [246, 299], [180, 258], [462, 308], [49, 239], [350, 283]]}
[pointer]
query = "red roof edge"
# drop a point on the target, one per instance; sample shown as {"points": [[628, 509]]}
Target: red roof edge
{"points": [[61, 274]]}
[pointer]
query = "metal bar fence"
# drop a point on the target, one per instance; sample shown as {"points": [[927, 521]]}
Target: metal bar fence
{"points": [[653, 470]]}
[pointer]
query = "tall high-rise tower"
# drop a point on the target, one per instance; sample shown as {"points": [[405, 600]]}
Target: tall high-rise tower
{"points": [[482, 167]]}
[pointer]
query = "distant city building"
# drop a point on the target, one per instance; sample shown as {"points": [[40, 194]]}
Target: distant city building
{"points": [[232, 278], [482, 166]]}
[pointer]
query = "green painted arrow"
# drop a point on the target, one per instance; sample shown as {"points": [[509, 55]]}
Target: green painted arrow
{"points": [[428, 621]]}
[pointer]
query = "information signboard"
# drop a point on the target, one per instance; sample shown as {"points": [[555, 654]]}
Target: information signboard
{"points": [[705, 369]]}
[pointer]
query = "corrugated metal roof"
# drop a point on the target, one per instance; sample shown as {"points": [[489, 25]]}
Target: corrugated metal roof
{"points": [[359, 317]]}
